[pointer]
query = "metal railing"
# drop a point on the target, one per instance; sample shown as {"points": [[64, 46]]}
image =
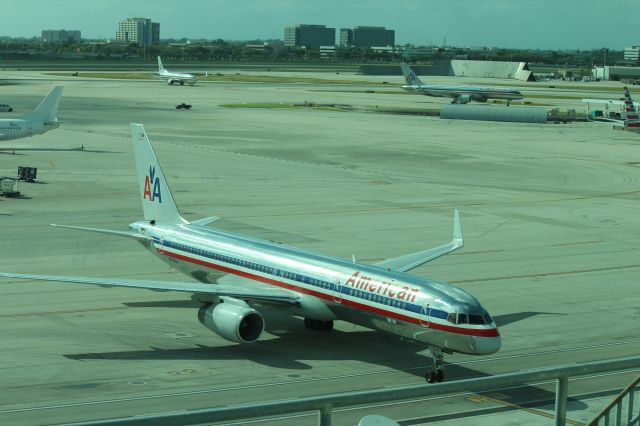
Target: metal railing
{"points": [[324, 404], [626, 399]]}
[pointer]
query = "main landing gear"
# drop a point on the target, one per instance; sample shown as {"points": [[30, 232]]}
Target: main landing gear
{"points": [[436, 374], [318, 325]]}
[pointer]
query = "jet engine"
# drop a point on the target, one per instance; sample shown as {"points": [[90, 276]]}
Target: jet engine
{"points": [[478, 98], [234, 320], [462, 99]]}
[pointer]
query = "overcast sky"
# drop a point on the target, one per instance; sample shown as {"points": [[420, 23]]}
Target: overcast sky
{"points": [[545, 24]]}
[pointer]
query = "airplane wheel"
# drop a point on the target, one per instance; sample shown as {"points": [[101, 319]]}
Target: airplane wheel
{"points": [[317, 325], [439, 376], [328, 325], [431, 377]]}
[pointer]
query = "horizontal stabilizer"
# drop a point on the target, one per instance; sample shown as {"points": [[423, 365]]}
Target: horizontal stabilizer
{"points": [[186, 287], [413, 260], [205, 220], [105, 231]]}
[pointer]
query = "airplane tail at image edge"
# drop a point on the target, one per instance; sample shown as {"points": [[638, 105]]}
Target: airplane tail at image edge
{"points": [[47, 110], [157, 200], [410, 77], [160, 67]]}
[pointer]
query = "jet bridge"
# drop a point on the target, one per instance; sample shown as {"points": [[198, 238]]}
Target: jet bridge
{"points": [[494, 113]]}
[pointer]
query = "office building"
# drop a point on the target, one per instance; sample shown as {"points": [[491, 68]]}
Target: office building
{"points": [[367, 37], [60, 36], [309, 36], [632, 54], [138, 30]]}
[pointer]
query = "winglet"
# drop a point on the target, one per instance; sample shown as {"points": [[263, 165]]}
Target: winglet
{"points": [[457, 230]]}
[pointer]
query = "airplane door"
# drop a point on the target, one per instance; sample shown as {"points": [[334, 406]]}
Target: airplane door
{"points": [[424, 315], [337, 288]]}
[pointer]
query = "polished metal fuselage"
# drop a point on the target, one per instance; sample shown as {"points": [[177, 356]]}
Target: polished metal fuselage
{"points": [[329, 287]]}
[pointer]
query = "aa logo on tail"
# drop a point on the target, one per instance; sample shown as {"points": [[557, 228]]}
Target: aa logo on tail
{"points": [[152, 179]]}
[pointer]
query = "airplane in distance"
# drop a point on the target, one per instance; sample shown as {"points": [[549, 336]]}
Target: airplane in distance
{"points": [[175, 77], [631, 113], [460, 94], [628, 117], [239, 273], [39, 121]]}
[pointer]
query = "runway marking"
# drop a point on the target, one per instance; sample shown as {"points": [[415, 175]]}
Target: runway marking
{"points": [[70, 311], [546, 274], [577, 243], [528, 410]]}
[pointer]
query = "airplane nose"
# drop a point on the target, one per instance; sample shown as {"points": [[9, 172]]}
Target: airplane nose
{"points": [[487, 345]]}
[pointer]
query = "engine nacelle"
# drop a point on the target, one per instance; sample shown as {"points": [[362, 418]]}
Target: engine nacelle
{"points": [[235, 322], [170, 82], [462, 99], [478, 98]]}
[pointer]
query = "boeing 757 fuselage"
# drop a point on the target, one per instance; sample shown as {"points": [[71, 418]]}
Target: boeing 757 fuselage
{"points": [[460, 94], [238, 274]]}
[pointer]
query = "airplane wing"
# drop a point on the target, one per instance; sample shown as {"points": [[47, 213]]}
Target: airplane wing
{"points": [[413, 260], [277, 295]]}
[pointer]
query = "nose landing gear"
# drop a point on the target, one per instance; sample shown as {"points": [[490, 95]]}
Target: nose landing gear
{"points": [[437, 372]]}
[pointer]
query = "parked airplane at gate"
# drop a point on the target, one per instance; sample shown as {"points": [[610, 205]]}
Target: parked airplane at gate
{"points": [[40, 120], [631, 114], [238, 272], [460, 94], [175, 77]]}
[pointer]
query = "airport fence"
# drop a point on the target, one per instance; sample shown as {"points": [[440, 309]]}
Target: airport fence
{"points": [[324, 404], [623, 410]]}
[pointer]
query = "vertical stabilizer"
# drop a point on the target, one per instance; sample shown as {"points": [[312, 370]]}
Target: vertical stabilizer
{"points": [[409, 76], [160, 67], [157, 201], [631, 113], [47, 111]]}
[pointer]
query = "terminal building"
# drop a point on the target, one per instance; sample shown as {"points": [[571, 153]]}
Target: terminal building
{"points": [[138, 30], [309, 36], [367, 37], [632, 54], [61, 36]]}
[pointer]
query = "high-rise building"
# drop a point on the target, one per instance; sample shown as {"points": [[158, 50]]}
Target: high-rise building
{"points": [[365, 37], [138, 30], [632, 54], [309, 36], [61, 36]]}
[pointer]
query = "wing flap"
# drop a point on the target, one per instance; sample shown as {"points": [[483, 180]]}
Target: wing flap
{"points": [[276, 295], [413, 260]]}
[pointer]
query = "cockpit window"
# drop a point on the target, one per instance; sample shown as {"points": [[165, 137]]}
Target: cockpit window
{"points": [[476, 319], [469, 318]]}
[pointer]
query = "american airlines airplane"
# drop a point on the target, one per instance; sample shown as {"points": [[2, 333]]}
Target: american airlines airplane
{"points": [[631, 114], [238, 274], [460, 94], [175, 77], [40, 120]]}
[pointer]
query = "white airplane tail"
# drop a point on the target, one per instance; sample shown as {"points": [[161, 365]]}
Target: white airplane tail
{"points": [[157, 201], [47, 111], [160, 67], [409, 76], [631, 119]]}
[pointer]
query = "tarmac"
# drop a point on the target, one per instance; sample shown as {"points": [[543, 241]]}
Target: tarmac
{"points": [[549, 215]]}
